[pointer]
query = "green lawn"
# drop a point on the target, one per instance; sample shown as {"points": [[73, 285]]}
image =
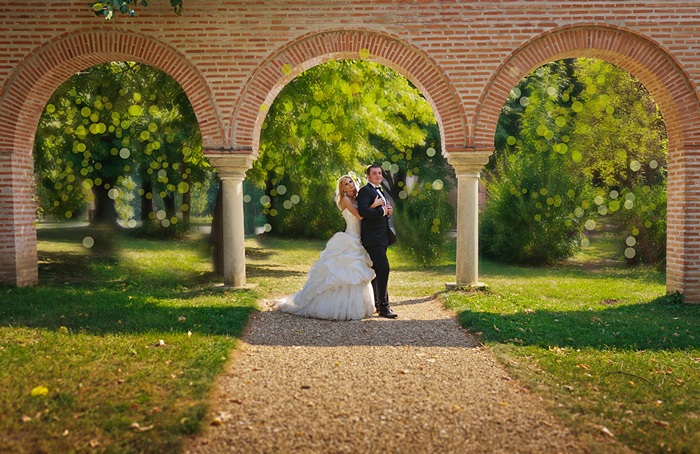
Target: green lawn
{"points": [[82, 364], [600, 341], [597, 340]]}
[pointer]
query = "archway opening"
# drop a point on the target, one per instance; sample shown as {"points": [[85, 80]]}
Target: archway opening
{"points": [[118, 150], [581, 155], [337, 118]]}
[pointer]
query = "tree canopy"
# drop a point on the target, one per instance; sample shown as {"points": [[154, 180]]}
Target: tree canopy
{"points": [[592, 131], [336, 119], [113, 130]]}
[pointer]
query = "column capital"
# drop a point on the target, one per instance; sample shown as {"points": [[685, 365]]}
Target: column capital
{"points": [[468, 162], [230, 165]]}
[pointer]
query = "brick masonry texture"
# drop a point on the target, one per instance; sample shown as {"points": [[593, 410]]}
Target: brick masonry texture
{"points": [[233, 58]]}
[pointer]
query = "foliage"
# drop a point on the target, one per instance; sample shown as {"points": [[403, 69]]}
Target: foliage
{"points": [[422, 226], [534, 212], [619, 132], [114, 129], [537, 202], [107, 8], [643, 219], [335, 119], [609, 135]]}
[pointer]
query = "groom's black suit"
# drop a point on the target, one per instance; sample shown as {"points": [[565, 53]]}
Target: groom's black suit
{"points": [[374, 233]]}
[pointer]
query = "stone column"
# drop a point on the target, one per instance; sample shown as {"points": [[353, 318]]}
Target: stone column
{"points": [[468, 165], [232, 168]]}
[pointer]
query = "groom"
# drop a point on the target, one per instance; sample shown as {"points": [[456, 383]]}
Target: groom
{"points": [[374, 232]]}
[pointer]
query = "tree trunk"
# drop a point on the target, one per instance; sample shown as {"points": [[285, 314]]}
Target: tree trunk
{"points": [[146, 204], [169, 205], [105, 214], [187, 196]]}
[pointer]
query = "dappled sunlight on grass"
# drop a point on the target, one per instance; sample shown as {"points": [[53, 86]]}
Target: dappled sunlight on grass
{"points": [[133, 334], [601, 342], [137, 333]]}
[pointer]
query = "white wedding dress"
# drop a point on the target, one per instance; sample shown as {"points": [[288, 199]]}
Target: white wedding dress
{"points": [[338, 286]]}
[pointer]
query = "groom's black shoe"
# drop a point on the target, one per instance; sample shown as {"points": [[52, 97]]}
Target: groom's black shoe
{"points": [[386, 312]]}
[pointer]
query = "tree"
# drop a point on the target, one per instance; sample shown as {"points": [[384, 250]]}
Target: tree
{"points": [[585, 124], [333, 119], [109, 130], [620, 134], [537, 198]]}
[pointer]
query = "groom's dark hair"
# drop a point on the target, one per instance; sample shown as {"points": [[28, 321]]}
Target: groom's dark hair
{"points": [[371, 167]]}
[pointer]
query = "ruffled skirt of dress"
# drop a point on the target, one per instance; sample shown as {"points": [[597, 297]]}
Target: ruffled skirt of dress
{"points": [[338, 286]]}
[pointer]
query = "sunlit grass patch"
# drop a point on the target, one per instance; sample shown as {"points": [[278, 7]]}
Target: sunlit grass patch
{"points": [[122, 345], [612, 354]]}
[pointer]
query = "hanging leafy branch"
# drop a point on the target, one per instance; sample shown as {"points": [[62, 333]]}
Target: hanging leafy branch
{"points": [[108, 8]]}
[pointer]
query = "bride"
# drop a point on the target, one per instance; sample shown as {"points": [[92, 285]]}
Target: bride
{"points": [[339, 285]]}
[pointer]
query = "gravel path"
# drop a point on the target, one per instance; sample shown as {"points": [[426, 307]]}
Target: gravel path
{"points": [[419, 383]]}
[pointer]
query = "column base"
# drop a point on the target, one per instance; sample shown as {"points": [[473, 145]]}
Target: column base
{"points": [[224, 287], [479, 286]]}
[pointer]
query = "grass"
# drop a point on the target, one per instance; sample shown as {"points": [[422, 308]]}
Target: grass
{"points": [[600, 341], [597, 340], [82, 365]]}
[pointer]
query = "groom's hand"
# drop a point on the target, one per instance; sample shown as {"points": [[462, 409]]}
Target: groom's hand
{"points": [[388, 209]]}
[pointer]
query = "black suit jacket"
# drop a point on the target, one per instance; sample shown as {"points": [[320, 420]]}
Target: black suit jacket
{"points": [[374, 225]]}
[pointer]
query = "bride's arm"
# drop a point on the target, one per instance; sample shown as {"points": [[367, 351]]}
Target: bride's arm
{"points": [[378, 201], [346, 203]]}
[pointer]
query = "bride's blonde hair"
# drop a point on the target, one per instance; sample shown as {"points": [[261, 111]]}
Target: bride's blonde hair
{"points": [[339, 192]]}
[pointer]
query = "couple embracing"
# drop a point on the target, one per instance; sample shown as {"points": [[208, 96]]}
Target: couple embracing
{"points": [[350, 279]]}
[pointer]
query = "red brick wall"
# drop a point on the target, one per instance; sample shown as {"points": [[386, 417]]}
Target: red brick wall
{"points": [[233, 57]]}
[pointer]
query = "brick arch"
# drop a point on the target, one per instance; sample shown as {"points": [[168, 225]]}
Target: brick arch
{"points": [[316, 48], [23, 99], [660, 73], [672, 90]]}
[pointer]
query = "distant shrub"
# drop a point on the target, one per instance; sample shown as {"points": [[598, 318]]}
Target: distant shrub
{"points": [[643, 220], [534, 212], [422, 225]]}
